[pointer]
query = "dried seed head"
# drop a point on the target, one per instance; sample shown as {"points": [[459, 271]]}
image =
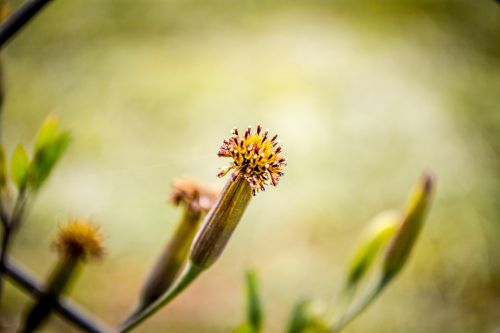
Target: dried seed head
{"points": [[257, 157], [79, 239], [196, 197]]}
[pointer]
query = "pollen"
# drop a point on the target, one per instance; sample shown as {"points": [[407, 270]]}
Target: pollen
{"points": [[256, 156], [79, 239]]}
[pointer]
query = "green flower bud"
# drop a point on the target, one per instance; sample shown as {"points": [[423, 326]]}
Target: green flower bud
{"points": [[401, 245]]}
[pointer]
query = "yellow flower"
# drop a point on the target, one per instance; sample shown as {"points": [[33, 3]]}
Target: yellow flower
{"points": [[79, 239], [256, 156]]}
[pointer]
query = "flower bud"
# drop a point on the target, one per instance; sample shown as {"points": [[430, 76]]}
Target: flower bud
{"points": [[402, 243], [195, 200], [75, 242]]}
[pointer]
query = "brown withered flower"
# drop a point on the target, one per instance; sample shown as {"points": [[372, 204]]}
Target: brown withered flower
{"points": [[198, 198], [195, 199], [255, 156]]}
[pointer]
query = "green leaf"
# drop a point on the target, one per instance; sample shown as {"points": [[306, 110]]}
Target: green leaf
{"points": [[379, 232], [254, 309], [46, 156], [307, 319], [47, 132], [20, 164]]}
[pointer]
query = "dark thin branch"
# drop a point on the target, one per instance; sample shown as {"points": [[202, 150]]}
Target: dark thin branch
{"points": [[19, 18], [64, 307]]}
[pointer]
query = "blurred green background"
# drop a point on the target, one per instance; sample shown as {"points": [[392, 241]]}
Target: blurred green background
{"points": [[364, 96]]}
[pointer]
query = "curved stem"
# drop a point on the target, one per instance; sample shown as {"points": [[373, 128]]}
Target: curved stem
{"points": [[188, 275], [359, 307], [345, 300]]}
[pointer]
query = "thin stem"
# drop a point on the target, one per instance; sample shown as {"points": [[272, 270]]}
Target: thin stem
{"points": [[19, 18], [40, 312], [344, 301], [359, 307], [64, 307], [187, 276], [10, 225], [4, 247], [19, 208], [170, 262]]}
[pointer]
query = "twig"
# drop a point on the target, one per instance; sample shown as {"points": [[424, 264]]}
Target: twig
{"points": [[19, 18], [10, 225], [65, 307]]}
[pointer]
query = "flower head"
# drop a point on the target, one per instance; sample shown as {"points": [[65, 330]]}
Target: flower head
{"points": [[79, 239], [256, 156], [195, 196]]}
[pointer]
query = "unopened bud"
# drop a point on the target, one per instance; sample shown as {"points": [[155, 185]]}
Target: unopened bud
{"points": [[401, 245]]}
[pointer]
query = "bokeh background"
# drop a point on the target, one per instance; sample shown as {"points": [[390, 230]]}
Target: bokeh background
{"points": [[364, 96]]}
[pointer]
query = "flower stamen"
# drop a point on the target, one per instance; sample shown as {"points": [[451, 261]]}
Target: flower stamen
{"points": [[254, 156]]}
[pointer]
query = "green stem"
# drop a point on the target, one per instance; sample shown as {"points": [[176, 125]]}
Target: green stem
{"points": [[188, 275], [19, 208], [170, 262], [10, 226], [344, 301], [359, 307], [58, 282]]}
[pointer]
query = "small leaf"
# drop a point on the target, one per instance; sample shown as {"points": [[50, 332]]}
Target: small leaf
{"points": [[378, 234], [254, 309], [46, 156], [47, 132], [20, 166]]}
